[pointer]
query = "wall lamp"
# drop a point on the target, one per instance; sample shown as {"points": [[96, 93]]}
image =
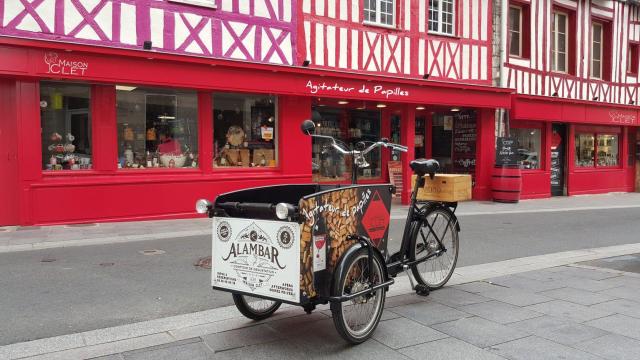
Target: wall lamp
{"points": [[595, 98], [631, 102], [306, 63], [555, 94], [147, 45], [425, 76]]}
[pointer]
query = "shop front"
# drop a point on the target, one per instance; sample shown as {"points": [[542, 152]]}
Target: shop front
{"points": [[573, 147], [97, 134]]}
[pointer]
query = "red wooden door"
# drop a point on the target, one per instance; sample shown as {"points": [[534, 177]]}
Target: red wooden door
{"points": [[8, 154]]}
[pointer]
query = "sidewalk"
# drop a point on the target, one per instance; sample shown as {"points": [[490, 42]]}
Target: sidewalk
{"points": [[41, 237], [552, 306]]}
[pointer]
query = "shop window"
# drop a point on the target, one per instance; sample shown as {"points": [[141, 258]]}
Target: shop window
{"points": [[65, 118], [348, 126], [442, 16], [379, 12], [157, 128], [597, 150], [519, 30], [529, 146], [244, 130]]}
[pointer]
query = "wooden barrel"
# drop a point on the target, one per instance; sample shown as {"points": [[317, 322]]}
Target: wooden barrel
{"points": [[506, 183]]}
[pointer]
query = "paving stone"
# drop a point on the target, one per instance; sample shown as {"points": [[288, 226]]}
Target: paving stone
{"points": [[586, 273], [558, 329], [388, 315], [109, 357], [194, 351], [552, 274], [536, 348], [531, 285], [241, 337], [448, 349], [402, 332], [624, 281], [515, 296], [281, 350], [478, 287], [479, 332], [405, 299], [575, 312], [500, 312], [612, 347], [291, 326], [619, 324], [429, 313], [624, 292], [587, 284], [454, 297], [577, 296], [620, 306]]}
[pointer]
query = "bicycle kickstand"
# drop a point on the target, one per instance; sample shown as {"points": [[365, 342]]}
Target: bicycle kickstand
{"points": [[420, 289]]}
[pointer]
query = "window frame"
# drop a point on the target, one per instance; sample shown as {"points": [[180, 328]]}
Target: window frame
{"points": [[439, 21], [540, 126], [378, 14], [633, 58], [520, 24], [554, 41], [601, 53]]}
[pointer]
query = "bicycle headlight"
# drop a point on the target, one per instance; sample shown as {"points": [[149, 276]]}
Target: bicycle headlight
{"points": [[284, 211], [202, 206]]}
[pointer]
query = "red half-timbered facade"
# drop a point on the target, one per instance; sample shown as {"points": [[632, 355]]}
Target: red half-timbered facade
{"points": [[574, 67]]}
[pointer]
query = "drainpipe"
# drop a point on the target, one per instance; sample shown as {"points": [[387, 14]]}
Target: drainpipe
{"points": [[504, 15]]}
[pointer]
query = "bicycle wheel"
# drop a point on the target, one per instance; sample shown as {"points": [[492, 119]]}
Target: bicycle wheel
{"points": [[436, 271], [255, 308], [356, 319]]}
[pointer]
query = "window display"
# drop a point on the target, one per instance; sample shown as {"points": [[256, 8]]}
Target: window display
{"points": [[244, 130], [599, 150], [65, 117], [529, 146], [349, 126], [157, 128]]}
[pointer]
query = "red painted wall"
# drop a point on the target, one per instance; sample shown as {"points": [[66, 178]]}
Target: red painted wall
{"points": [[9, 197]]}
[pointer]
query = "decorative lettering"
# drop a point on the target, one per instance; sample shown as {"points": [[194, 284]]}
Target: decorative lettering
{"points": [[58, 66]]}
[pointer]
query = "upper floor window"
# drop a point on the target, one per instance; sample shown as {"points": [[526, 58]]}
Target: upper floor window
{"points": [[515, 30], [380, 12], [596, 50], [559, 42], [441, 16], [632, 58]]}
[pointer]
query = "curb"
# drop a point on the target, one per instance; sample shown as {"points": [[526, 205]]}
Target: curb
{"points": [[114, 340]]}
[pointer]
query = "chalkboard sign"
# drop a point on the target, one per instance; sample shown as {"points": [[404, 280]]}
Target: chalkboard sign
{"points": [[507, 152], [464, 142]]}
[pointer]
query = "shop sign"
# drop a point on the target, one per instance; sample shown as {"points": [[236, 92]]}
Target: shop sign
{"points": [[506, 151], [364, 90], [61, 66], [622, 118], [256, 256], [464, 142]]}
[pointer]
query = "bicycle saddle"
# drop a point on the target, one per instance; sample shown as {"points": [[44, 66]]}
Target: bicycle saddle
{"points": [[422, 167]]}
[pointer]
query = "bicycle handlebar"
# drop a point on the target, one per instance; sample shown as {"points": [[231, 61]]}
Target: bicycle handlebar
{"points": [[344, 151]]}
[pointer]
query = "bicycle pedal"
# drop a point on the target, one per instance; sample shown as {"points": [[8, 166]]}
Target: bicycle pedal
{"points": [[422, 290]]}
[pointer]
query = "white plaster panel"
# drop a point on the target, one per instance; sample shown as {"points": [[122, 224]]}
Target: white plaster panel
{"points": [[421, 54], [89, 5], [331, 46], [602, 13], [248, 42], [47, 12], [355, 10], [104, 19], [474, 59], [485, 18], [465, 61], [422, 14], [331, 8], [266, 45], [128, 24], [344, 12], [227, 5], [28, 23], [243, 7], [519, 61], [407, 55], [88, 33], [260, 9], [474, 20], [466, 19], [306, 6], [286, 13], [320, 7], [483, 63], [72, 17], [342, 63], [11, 10], [355, 51], [319, 45], [407, 15], [307, 40], [156, 17], [287, 49]]}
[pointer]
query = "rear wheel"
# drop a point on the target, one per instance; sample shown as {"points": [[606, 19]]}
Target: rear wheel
{"points": [[356, 319], [436, 271], [255, 308]]}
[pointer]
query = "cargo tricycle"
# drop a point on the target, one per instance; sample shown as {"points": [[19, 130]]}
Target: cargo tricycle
{"points": [[310, 244]]}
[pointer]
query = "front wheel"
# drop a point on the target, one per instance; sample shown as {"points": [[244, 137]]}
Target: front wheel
{"points": [[356, 319], [438, 224], [255, 308]]}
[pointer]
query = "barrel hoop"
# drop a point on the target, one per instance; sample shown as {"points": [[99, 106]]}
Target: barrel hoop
{"points": [[506, 191]]}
